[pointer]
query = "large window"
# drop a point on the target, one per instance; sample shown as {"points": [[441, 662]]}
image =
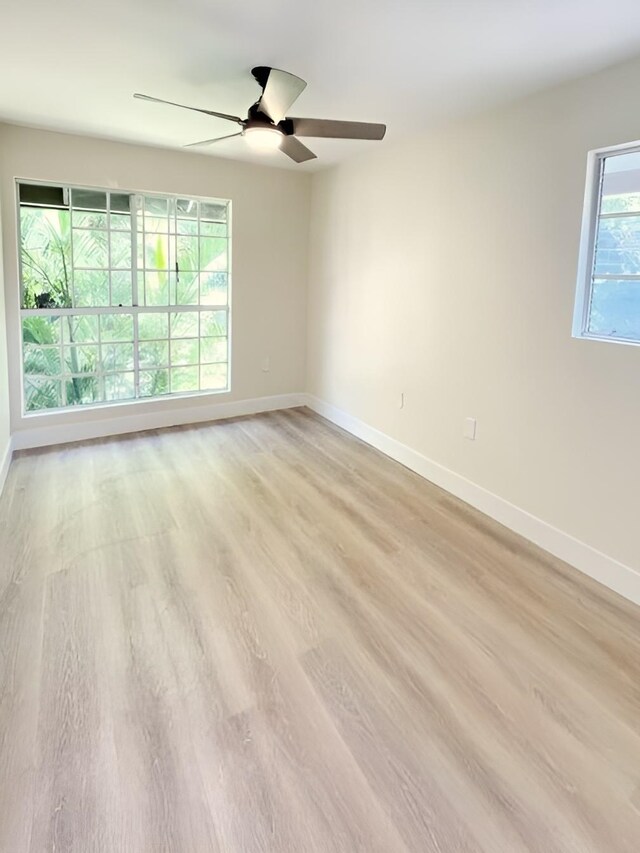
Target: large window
{"points": [[608, 298], [124, 296]]}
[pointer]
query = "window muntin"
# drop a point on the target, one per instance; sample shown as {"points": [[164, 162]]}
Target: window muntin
{"points": [[124, 296], [608, 297]]}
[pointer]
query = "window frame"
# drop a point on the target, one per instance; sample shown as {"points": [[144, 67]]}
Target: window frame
{"points": [[586, 253], [134, 309]]}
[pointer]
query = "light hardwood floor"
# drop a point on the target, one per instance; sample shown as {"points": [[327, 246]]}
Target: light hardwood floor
{"points": [[262, 635]]}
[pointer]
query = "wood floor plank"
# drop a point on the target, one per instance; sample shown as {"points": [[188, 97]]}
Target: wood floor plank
{"points": [[262, 636], [25, 560]]}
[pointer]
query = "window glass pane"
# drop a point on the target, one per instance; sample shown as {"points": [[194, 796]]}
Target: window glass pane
{"points": [[187, 253], [153, 353], [213, 229], [89, 208], [618, 246], [42, 394], [121, 222], [172, 288], [615, 309], [42, 361], [156, 252], [41, 330], [213, 212], [117, 357], [89, 219], [214, 288], [81, 390], [185, 351], [213, 377], [120, 202], [187, 288], [187, 208], [89, 199], [121, 292], [213, 253], [116, 327], [154, 382], [213, 323], [213, 350], [119, 386], [120, 250], [156, 206], [184, 324], [82, 358], [621, 183], [154, 225], [90, 249], [187, 226], [45, 242], [80, 329], [184, 379], [151, 326], [41, 195], [90, 288], [156, 288], [621, 203]]}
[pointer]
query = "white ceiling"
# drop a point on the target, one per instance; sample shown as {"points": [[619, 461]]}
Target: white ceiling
{"points": [[73, 66]]}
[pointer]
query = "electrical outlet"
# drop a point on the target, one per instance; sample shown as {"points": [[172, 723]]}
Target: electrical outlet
{"points": [[266, 366], [470, 425]]}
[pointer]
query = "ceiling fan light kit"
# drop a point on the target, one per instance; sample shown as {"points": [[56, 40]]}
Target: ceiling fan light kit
{"points": [[267, 126], [263, 138]]}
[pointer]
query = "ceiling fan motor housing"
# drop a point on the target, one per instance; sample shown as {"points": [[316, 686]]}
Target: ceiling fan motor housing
{"points": [[256, 118]]}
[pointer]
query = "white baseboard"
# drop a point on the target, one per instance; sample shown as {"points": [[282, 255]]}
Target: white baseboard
{"points": [[65, 433], [5, 462], [621, 578]]}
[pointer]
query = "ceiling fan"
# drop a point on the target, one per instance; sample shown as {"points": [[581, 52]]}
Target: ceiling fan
{"points": [[267, 125]]}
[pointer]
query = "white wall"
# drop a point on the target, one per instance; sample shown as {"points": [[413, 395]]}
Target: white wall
{"points": [[269, 258], [4, 375], [444, 267]]}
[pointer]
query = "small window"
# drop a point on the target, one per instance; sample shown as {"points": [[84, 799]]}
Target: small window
{"points": [[123, 296], [608, 295]]}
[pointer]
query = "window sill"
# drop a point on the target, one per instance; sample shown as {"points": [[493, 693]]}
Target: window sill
{"points": [[121, 407], [606, 339]]}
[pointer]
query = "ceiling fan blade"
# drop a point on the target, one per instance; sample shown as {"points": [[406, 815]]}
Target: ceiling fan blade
{"points": [[337, 129], [280, 90], [184, 107], [293, 148], [210, 141]]}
